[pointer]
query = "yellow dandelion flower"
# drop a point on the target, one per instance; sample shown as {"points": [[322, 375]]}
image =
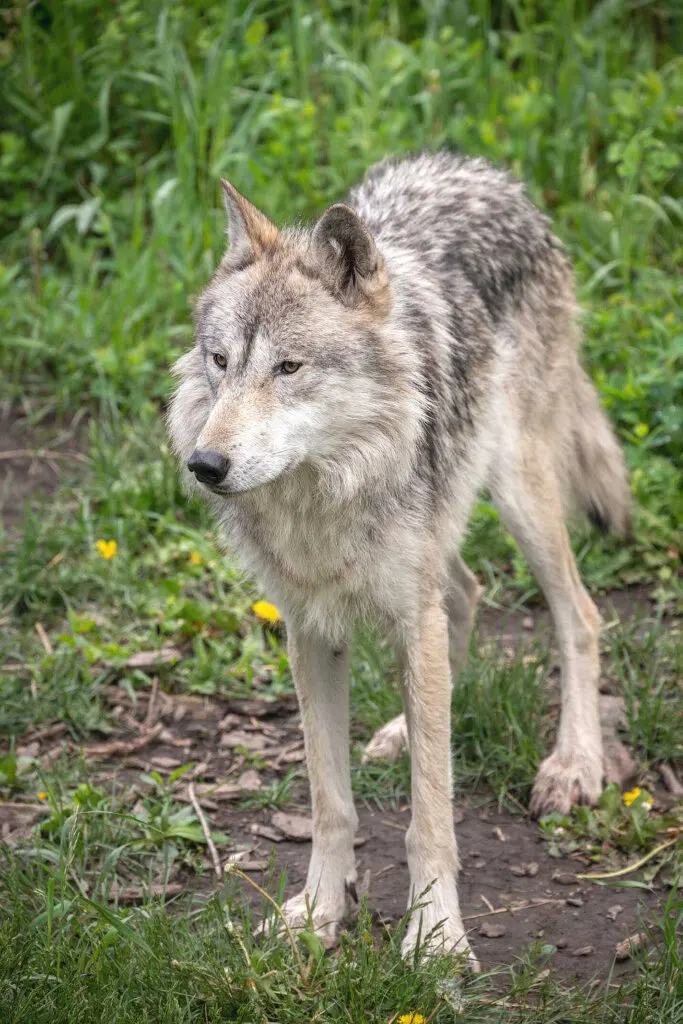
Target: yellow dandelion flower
{"points": [[412, 1018], [107, 549], [266, 611], [631, 796], [42, 795], [195, 558]]}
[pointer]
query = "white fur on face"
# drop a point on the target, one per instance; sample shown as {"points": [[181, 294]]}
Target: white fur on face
{"points": [[261, 444]]}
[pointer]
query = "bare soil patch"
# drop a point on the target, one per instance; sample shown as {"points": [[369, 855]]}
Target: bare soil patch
{"points": [[504, 912], [34, 462]]}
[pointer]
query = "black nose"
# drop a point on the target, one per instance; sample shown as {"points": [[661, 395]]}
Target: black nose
{"points": [[209, 467]]}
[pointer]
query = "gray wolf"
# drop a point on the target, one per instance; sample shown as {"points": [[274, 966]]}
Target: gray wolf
{"points": [[353, 386]]}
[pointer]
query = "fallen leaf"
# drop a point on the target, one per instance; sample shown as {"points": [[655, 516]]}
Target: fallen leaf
{"points": [[249, 781], [122, 746], [139, 893], [295, 756], [15, 816], [614, 911], [584, 951], [628, 946], [528, 870], [252, 741], [165, 764], [298, 827], [254, 865], [261, 708], [148, 659], [564, 877], [266, 832]]}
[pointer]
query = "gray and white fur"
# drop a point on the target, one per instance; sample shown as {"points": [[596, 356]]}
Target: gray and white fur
{"points": [[353, 386]]}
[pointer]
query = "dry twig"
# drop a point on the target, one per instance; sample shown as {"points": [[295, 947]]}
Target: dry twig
{"points": [[670, 780], [151, 704], [513, 910], [215, 860], [44, 638], [122, 746], [44, 453]]}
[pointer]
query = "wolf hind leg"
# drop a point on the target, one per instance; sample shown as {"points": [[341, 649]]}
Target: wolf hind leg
{"points": [[391, 740], [528, 494]]}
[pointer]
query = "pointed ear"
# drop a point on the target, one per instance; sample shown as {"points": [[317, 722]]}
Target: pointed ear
{"points": [[249, 231], [348, 254]]}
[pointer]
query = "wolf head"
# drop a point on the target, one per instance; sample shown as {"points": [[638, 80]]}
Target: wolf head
{"points": [[293, 365]]}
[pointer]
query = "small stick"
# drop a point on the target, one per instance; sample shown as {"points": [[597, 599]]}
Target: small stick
{"points": [[44, 638], [632, 867], [122, 746], [45, 453], [149, 717], [670, 780], [215, 860], [56, 729], [54, 561], [513, 910]]}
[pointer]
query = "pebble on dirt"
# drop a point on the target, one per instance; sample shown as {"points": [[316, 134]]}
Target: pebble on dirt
{"points": [[564, 877], [492, 930], [529, 870]]}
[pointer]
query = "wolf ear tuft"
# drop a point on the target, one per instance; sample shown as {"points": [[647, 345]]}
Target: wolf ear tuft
{"points": [[249, 231], [348, 254]]}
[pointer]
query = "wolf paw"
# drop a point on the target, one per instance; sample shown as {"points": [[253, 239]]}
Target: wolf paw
{"points": [[438, 935], [326, 917], [562, 782], [389, 742]]}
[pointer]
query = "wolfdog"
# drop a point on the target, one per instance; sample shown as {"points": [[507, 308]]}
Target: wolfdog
{"points": [[353, 386]]}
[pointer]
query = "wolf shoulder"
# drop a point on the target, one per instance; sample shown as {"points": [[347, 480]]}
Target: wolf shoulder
{"points": [[463, 218]]}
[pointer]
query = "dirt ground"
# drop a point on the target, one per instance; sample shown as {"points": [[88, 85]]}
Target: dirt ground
{"points": [[34, 460], [503, 912]]}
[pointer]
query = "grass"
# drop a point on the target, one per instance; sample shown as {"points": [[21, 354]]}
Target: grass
{"points": [[119, 121], [202, 964]]}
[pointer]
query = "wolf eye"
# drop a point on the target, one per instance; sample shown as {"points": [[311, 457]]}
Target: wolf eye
{"points": [[288, 367], [220, 360]]}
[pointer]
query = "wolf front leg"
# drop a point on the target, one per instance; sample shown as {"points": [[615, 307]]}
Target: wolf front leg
{"points": [[430, 840], [322, 684]]}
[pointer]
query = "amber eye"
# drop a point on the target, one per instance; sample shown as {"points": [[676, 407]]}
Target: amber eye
{"points": [[220, 360], [289, 366]]}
